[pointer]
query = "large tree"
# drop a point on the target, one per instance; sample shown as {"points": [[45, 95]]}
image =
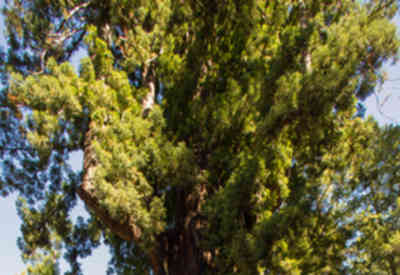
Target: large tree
{"points": [[218, 137]]}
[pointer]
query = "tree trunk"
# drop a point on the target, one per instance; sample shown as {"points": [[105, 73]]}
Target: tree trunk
{"points": [[180, 246], [393, 266], [182, 254]]}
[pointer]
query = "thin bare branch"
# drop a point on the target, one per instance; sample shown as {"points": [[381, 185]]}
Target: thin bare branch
{"points": [[380, 104], [72, 13]]}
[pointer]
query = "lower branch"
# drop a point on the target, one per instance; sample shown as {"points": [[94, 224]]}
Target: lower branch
{"points": [[128, 230]]}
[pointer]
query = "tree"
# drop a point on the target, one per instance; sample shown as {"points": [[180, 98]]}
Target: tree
{"points": [[219, 137], [376, 248]]}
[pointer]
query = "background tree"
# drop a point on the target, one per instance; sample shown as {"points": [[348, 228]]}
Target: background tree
{"points": [[219, 137]]}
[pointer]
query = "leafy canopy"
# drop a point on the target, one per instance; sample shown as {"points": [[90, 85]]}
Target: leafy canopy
{"points": [[218, 137]]}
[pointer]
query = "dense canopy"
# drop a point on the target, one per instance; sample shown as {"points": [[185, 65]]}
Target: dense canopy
{"points": [[218, 137]]}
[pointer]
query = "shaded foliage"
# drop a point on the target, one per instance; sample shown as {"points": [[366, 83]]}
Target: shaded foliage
{"points": [[218, 137]]}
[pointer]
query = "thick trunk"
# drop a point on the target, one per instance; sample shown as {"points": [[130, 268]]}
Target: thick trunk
{"points": [[181, 254], [180, 260], [393, 266], [179, 247]]}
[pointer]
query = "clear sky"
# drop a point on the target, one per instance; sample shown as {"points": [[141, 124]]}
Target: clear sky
{"points": [[385, 108]]}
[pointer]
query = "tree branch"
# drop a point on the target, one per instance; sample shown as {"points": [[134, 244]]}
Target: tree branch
{"points": [[149, 81], [71, 13], [127, 230]]}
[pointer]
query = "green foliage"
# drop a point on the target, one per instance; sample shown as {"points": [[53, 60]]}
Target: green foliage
{"points": [[251, 160]]}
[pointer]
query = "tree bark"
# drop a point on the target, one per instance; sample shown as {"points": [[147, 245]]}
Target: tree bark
{"points": [[393, 266], [184, 255]]}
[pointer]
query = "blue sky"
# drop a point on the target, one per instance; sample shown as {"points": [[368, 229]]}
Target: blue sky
{"points": [[96, 264]]}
